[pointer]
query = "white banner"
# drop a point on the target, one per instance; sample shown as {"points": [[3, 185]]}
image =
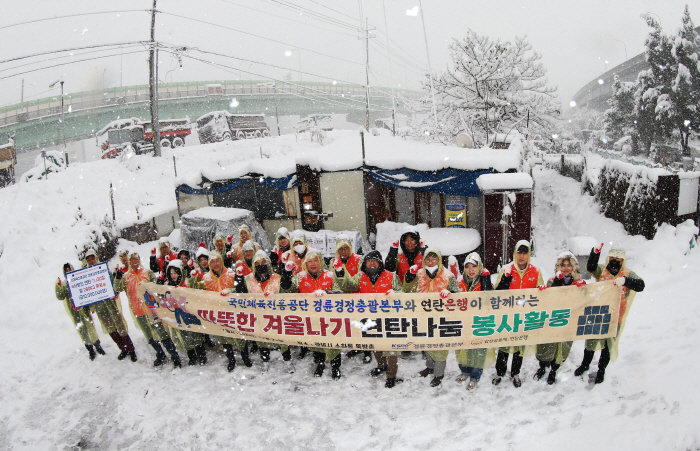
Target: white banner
{"points": [[90, 285]]}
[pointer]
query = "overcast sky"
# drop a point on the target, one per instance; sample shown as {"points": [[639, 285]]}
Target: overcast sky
{"points": [[322, 37]]}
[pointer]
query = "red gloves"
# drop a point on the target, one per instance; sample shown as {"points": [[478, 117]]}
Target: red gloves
{"points": [[190, 263], [229, 238], [153, 251], [413, 269], [225, 292], [267, 293], [580, 283], [560, 275], [485, 272], [454, 268], [289, 266], [598, 248], [542, 287], [229, 254], [58, 281], [508, 271], [390, 292], [395, 244], [444, 293], [422, 243], [285, 257], [338, 264], [197, 274], [202, 244], [239, 268], [167, 258]]}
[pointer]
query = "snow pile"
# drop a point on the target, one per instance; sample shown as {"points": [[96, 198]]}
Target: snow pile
{"points": [[277, 157], [447, 241], [55, 398], [581, 245], [488, 182]]}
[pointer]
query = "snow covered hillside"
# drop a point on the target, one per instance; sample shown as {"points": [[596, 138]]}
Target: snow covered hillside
{"points": [[55, 398]]}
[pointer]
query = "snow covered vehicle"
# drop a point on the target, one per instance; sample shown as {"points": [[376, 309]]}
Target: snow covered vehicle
{"points": [[322, 121], [116, 135], [8, 160], [224, 126]]}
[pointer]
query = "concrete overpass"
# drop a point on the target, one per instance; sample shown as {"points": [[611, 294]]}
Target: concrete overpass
{"points": [[595, 94], [37, 124]]}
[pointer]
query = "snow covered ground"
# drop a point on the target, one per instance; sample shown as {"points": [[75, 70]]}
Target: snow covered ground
{"points": [[55, 398]]}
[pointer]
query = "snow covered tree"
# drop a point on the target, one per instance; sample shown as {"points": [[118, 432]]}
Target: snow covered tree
{"points": [[491, 87], [619, 118], [671, 87], [684, 96]]}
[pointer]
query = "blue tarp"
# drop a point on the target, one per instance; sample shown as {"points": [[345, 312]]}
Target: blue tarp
{"points": [[282, 183], [448, 181]]}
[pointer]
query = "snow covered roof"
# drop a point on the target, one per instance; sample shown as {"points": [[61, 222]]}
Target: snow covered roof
{"points": [[278, 157], [518, 180]]}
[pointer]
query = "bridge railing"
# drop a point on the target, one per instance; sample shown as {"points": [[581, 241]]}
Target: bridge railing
{"points": [[81, 101]]}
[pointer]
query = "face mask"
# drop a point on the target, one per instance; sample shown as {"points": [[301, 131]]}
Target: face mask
{"points": [[372, 271], [431, 269], [261, 273], [299, 249], [614, 266]]}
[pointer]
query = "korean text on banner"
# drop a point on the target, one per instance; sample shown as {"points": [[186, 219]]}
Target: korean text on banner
{"points": [[412, 321], [90, 285]]}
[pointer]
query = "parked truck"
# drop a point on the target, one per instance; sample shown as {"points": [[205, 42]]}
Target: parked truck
{"points": [[134, 132], [8, 160], [223, 126]]}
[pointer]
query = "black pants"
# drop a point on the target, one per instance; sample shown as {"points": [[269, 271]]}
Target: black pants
{"points": [[502, 364]]}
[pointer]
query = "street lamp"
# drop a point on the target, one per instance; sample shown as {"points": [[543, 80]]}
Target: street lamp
{"points": [[277, 118], [63, 122], [623, 44], [289, 53]]}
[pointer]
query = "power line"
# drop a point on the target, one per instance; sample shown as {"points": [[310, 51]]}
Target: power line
{"points": [[69, 50], [320, 16], [259, 36], [72, 15], [286, 18], [63, 56], [70, 62]]}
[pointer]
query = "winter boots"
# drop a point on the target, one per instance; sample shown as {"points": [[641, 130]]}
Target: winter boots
{"points": [[174, 356], [91, 351], [585, 364], [378, 371], [231, 357], [335, 367], [208, 341], [265, 357], [320, 361], [245, 354], [126, 346], [303, 352], [98, 347], [287, 357], [425, 372], [437, 380], [201, 354], [192, 356], [160, 355], [471, 385], [367, 358], [352, 353], [516, 381], [602, 365]]}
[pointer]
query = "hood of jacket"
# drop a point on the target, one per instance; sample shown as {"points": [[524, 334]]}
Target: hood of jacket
{"points": [[312, 253], [413, 233], [342, 240], [575, 272], [376, 255]]}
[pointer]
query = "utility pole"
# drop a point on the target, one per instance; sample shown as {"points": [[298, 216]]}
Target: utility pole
{"points": [[391, 76], [153, 84], [367, 72], [430, 71]]}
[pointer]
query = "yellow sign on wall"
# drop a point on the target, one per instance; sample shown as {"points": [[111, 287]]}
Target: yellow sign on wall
{"points": [[456, 215]]}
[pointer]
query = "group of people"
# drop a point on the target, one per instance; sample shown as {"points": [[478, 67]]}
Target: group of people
{"points": [[294, 267]]}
